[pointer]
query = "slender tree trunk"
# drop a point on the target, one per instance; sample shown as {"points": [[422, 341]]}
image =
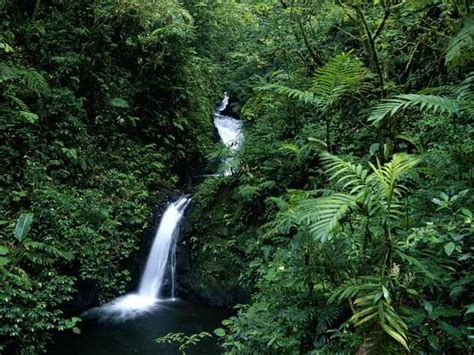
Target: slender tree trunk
{"points": [[328, 134], [37, 6], [317, 61]]}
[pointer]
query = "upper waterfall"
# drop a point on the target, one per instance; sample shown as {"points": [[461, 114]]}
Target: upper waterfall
{"points": [[229, 129]]}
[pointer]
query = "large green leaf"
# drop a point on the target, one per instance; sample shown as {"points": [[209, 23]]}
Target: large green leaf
{"points": [[4, 260], [323, 215], [23, 226], [425, 103], [3, 250]]}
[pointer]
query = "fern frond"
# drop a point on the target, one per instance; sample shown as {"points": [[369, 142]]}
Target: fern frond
{"points": [[327, 317], [29, 117], [343, 74], [344, 174], [34, 80], [388, 176], [426, 103], [18, 103], [323, 215], [30, 78], [465, 95], [303, 96], [289, 149], [49, 249], [465, 89], [461, 46]]}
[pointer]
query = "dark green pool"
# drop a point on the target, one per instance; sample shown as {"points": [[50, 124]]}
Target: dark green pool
{"points": [[136, 336]]}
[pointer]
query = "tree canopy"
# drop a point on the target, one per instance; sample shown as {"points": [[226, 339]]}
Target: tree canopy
{"points": [[346, 226]]}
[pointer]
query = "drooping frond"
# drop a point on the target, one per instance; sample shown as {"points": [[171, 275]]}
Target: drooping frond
{"points": [[21, 109], [427, 103], [30, 78], [466, 88], [345, 174], [465, 95], [388, 176], [323, 215], [461, 46], [373, 305], [343, 74], [303, 96], [376, 307]]}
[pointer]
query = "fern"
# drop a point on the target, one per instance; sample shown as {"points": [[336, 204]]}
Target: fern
{"points": [[324, 214], [49, 249], [464, 90], [426, 103], [303, 96], [379, 192], [327, 317], [348, 175], [372, 306], [342, 75], [17, 103], [30, 117], [387, 177], [30, 78], [34, 80], [461, 46], [465, 95]]}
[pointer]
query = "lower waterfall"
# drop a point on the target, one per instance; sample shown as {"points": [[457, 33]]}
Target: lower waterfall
{"points": [[161, 261]]}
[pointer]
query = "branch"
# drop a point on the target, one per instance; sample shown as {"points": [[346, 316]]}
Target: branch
{"points": [[382, 24], [370, 38], [313, 55]]}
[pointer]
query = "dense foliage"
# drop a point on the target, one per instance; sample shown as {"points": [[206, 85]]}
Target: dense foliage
{"points": [[347, 224], [349, 218], [104, 110]]}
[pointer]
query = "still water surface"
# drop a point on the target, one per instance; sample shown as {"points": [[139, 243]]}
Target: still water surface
{"points": [[135, 336]]}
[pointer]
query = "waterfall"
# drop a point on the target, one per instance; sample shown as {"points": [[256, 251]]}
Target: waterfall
{"points": [[162, 250], [162, 257], [230, 131], [161, 261]]}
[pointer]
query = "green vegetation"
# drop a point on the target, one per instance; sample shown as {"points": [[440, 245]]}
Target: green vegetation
{"points": [[104, 110], [183, 341], [347, 226], [350, 219]]}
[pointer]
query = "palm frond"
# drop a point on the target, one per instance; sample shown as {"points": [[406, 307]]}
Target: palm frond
{"points": [[323, 215], [303, 96], [343, 74], [345, 174], [461, 46], [372, 305], [465, 95], [388, 176], [426, 103]]}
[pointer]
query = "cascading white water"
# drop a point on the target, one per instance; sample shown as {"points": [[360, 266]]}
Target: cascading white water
{"points": [[230, 131], [224, 103], [162, 256], [162, 250]]}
